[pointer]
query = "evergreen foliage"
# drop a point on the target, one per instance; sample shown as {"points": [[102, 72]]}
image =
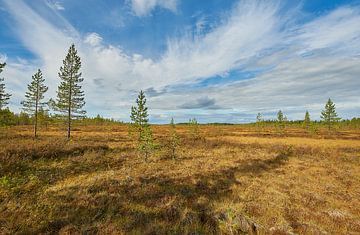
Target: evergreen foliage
{"points": [[139, 114], [33, 98], [4, 97], [281, 119], [139, 117], [70, 97], [259, 122], [174, 140], [146, 143], [194, 129], [329, 115], [307, 120]]}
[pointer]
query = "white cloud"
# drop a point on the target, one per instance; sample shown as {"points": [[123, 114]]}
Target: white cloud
{"points": [[55, 5], [340, 28], [252, 36], [144, 7], [93, 39]]}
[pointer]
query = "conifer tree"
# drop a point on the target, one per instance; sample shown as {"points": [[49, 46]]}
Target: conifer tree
{"points": [[173, 139], [4, 97], [329, 115], [146, 143], [139, 117], [194, 129], [34, 96], [307, 120], [70, 97], [281, 119], [259, 122], [280, 116]]}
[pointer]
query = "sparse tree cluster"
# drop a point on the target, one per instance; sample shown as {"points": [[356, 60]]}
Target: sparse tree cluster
{"points": [[70, 101], [70, 97]]}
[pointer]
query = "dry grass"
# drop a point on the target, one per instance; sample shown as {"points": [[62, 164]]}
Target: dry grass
{"points": [[232, 181]]}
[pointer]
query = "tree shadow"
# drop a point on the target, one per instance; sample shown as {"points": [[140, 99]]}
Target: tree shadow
{"points": [[148, 205]]}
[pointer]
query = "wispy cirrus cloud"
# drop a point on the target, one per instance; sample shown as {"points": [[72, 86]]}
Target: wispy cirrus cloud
{"points": [[300, 65], [55, 5], [144, 7]]}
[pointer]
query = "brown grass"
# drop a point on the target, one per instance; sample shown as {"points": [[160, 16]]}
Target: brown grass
{"points": [[231, 181]]}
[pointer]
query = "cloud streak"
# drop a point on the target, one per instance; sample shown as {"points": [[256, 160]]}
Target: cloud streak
{"points": [[301, 64], [144, 7]]}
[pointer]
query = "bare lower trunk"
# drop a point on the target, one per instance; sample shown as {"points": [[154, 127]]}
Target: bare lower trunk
{"points": [[36, 111], [35, 125], [69, 125], [69, 111]]}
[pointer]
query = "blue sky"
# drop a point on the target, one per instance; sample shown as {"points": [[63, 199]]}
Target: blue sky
{"points": [[215, 60]]}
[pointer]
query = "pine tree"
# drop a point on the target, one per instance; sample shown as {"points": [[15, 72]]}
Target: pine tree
{"points": [[259, 122], [146, 143], [139, 117], [173, 139], [329, 115], [194, 129], [4, 97], [70, 97], [34, 96], [281, 119], [307, 120]]}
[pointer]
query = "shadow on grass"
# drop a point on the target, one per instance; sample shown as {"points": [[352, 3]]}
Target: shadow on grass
{"points": [[147, 205]]}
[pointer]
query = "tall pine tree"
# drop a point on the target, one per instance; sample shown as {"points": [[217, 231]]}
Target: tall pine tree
{"points": [[34, 96], [70, 97], [329, 115], [4, 97]]}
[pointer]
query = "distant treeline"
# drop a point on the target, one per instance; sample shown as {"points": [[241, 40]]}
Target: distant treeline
{"points": [[9, 118], [67, 107]]}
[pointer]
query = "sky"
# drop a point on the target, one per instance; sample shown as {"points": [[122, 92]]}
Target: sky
{"points": [[213, 60]]}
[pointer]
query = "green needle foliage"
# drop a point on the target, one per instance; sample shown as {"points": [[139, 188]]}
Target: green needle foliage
{"points": [[174, 140], [194, 129], [329, 115], [33, 98], [70, 97], [139, 117], [307, 120], [146, 143], [281, 119], [4, 97], [259, 122]]}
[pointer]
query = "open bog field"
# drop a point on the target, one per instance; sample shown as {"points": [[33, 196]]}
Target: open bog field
{"points": [[232, 180]]}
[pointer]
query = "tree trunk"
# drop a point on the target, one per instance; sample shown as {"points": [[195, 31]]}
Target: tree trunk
{"points": [[36, 117], [69, 111], [69, 125], [36, 110]]}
